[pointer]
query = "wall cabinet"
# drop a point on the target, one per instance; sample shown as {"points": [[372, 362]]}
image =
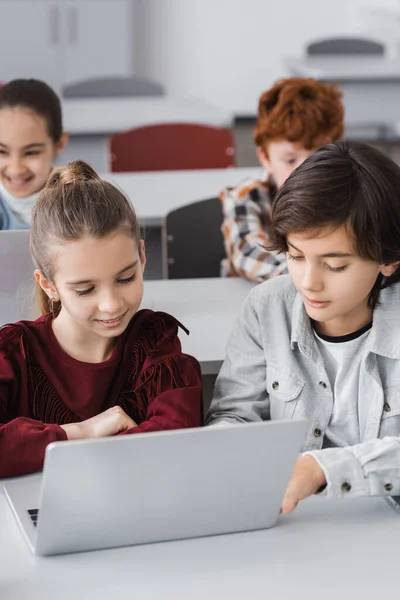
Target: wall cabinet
{"points": [[63, 41]]}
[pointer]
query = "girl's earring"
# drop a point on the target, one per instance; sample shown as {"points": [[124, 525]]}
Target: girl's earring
{"points": [[52, 300]]}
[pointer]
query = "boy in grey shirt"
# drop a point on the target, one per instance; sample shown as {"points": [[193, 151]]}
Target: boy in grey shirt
{"points": [[323, 343]]}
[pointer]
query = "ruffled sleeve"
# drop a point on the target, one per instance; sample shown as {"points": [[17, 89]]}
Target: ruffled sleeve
{"points": [[168, 387], [23, 440]]}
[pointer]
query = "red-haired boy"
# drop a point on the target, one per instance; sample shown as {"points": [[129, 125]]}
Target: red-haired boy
{"points": [[295, 118]]}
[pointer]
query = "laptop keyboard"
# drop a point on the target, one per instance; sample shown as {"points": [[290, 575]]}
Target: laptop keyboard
{"points": [[34, 515]]}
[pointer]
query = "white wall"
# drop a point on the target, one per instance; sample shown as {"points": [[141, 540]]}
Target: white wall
{"points": [[229, 51]]}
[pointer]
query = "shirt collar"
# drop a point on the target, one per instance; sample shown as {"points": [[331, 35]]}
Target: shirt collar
{"points": [[385, 333], [302, 331]]}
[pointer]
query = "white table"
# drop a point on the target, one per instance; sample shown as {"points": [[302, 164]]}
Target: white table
{"points": [[207, 307], [157, 193], [370, 85], [346, 549], [346, 68], [90, 121]]}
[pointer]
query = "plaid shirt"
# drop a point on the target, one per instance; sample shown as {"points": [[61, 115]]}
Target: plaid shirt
{"points": [[247, 219]]}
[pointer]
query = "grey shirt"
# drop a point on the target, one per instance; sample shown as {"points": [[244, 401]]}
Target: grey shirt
{"points": [[274, 370]]}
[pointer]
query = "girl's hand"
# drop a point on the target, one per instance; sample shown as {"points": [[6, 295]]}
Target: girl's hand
{"points": [[306, 480], [110, 422]]}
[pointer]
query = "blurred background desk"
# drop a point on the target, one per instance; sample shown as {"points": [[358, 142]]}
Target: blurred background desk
{"points": [[156, 193], [207, 307]]}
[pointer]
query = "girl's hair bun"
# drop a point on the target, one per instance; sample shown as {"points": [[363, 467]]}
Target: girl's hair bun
{"points": [[73, 173]]}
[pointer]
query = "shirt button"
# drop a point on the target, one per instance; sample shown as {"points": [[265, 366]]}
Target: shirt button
{"points": [[317, 432], [275, 385], [387, 407], [323, 384], [388, 487], [346, 487]]}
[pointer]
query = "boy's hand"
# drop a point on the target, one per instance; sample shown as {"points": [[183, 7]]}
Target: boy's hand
{"points": [[110, 422], [306, 480]]}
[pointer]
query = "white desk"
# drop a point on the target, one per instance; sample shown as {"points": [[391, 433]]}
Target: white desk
{"points": [[90, 121], [156, 193], [331, 550], [344, 68], [207, 307], [370, 86]]}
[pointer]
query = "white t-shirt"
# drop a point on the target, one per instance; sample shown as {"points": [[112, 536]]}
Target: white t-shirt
{"points": [[342, 357]]}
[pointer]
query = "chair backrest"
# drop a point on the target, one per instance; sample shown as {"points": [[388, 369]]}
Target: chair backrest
{"points": [[193, 245], [112, 87], [172, 146], [345, 45]]}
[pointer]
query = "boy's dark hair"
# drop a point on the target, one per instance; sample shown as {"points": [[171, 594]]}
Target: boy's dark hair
{"points": [[345, 183], [38, 97]]}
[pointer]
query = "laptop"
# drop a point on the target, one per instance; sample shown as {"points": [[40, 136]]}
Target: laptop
{"points": [[154, 487], [16, 276]]}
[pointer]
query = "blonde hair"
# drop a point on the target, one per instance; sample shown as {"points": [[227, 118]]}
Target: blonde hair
{"points": [[74, 203]]}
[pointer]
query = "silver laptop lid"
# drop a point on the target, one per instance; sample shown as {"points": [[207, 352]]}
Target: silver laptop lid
{"points": [[165, 486], [16, 276]]}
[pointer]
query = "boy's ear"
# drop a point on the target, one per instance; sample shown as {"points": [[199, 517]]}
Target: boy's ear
{"points": [[388, 270], [46, 285], [263, 159], [62, 142]]}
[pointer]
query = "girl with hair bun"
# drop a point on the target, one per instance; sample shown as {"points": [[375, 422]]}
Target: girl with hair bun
{"points": [[295, 117], [93, 365]]}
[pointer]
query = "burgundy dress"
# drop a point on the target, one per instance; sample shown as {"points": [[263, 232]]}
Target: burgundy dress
{"points": [[42, 387]]}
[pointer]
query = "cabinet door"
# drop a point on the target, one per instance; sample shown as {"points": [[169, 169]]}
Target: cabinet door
{"points": [[30, 36], [97, 36]]}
